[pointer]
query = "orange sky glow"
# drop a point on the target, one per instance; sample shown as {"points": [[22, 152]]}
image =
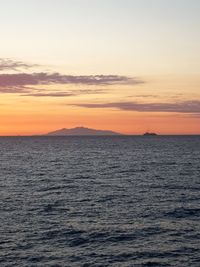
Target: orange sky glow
{"points": [[125, 66]]}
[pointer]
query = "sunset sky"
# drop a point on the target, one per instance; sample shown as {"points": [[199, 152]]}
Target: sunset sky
{"points": [[124, 65]]}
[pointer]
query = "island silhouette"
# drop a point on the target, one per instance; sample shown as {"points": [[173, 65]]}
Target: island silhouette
{"points": [[81, 131]]}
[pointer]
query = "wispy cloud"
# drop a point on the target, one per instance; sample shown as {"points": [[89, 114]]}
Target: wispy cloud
{"points": [[9, 64], [53, 94], [26, 82], [15, 90], [195, 115], [179, 107], [62, 93], [143, 96]]}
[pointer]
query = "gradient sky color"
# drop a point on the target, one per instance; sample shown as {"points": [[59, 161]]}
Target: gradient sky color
{"points": [[123, 65]]}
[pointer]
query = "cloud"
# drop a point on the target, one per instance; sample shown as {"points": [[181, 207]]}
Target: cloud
{"points": [[25, 83], [9, 64], [143, 96], [15, 90], [24, 79], [61, 93], [53, 94], [179, 107], [195, 115]]}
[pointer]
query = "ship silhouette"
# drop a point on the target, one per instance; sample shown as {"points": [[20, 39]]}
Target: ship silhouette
{"points": [[149, 134]]}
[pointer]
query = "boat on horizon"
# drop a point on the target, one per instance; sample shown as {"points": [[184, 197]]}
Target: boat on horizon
{"points": [[149, 134]]}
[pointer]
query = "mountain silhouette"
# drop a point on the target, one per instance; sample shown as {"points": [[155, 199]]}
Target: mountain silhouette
{"points": [[80, 131]]}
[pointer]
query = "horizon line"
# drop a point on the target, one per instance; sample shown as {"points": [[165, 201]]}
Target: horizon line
{"points": [[91, 135]]}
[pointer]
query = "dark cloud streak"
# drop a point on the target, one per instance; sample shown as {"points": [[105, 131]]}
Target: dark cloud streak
{"points": [[179, 107], [24, 79]]}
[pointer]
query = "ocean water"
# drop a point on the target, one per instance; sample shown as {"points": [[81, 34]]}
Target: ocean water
{"points": [[100, 201]]}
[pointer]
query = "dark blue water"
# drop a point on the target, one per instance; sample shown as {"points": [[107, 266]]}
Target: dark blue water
{"points": [[100, 201]]}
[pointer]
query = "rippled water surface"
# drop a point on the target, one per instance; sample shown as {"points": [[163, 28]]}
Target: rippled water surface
{"points": [[100, 201]]}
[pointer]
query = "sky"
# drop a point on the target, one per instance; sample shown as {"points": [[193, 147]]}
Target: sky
{"points": [[129, 66]]}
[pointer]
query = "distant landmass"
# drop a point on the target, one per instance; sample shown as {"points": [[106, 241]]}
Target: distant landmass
{"points": [[80, 131]]}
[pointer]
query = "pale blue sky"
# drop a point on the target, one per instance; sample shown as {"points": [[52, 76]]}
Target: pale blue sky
{"points": [[110, 36]]}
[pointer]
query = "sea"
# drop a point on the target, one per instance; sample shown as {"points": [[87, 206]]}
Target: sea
{"points": [[116, 201]]}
